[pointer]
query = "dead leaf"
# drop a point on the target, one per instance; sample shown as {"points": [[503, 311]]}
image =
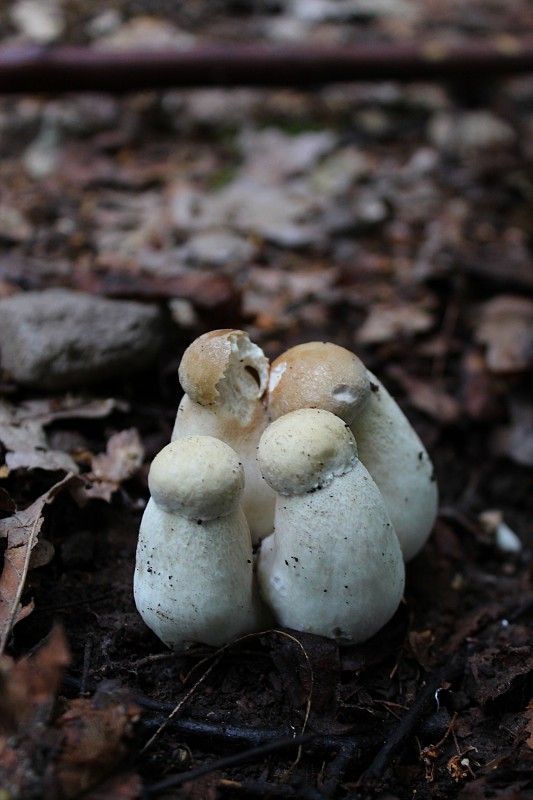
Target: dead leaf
{"points": [[123, 457], [505, 327], [27, 692], [431, 398], [114, 279], [388, 322], [95, 732], [68, 407], [29, 685], [7, 505], [26, 445], [497, 667], [23, 436], [22, 533]]}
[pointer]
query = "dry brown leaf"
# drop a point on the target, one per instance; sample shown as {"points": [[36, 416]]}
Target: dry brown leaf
{"points": [[95, 733], [22, 533], [29, 685], [428, 397], [27, 700]]}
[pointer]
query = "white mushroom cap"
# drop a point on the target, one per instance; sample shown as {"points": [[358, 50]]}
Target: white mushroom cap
{"points": [[224, 368], [326, 448], [197, 476], [318, 375]]}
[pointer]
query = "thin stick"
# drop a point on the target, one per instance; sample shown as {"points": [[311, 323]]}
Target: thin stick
{"points": [[179, 706], [31, 68], [225, 763], [405, 728]]}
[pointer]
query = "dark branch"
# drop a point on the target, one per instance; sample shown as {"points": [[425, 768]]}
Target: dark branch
{"points": [[63, 69]]}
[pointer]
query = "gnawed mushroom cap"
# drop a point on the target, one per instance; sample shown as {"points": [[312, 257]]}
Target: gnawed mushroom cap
{"points": [[318, 375], [224, 367], [326, 449], [198, 477]]}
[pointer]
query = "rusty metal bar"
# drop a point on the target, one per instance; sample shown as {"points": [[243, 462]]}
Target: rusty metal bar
{"points": [[33, 69]]}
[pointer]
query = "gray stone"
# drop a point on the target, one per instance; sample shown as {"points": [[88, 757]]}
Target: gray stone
{"points": [[59, 338]]}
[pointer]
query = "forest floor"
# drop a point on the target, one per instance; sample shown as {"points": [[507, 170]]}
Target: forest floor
{"points": [[393, 219]]}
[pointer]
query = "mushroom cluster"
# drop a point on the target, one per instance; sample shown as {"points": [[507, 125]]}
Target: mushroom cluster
{"points": [[291, 493]]}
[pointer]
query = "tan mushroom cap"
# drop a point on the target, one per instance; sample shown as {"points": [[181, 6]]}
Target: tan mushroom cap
{"points": [[304, 450], [199, 477], [220, 363], [318, 375]]}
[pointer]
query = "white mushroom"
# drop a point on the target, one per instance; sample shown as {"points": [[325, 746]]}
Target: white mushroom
{"points": [[324, 375], [194, 574], [333, 565], [393, 453], [224, 376]]}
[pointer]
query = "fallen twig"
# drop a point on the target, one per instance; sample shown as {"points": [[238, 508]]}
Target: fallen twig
{"points": [[405, 729], [254, 754], [31, 68]]}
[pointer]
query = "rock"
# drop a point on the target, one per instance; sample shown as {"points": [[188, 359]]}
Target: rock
{"points": [[58, 338]]}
